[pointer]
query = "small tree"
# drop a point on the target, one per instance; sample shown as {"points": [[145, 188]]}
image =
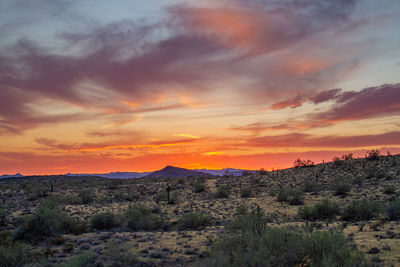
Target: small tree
{"points": [[302, 163], [373, 154], [348, 156]]}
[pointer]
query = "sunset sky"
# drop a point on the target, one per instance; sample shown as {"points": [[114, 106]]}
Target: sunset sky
{"points": [[99, 86]]}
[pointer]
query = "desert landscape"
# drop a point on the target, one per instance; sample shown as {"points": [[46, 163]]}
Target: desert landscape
{"points": [[168, 221], [244, 133]]}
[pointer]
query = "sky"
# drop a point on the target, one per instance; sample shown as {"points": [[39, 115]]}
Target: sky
{"points": [[100, 86]]}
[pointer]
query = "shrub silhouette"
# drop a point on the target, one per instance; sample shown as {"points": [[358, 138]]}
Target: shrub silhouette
{"points": [[103, 221], [291, 196], [17, 254], [194, 221], [198, 187], [341, 188], [222, 191], [363, 210], [373, 154], [298, 163], [389, 189], [393, 210], [47, 221], [280, 246], [246, 192], [325, 210], [140, 217]]}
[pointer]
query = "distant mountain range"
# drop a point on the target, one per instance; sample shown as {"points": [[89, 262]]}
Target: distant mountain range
{"points": [[168, 171], [112, 175], [226, 171], [171, 171], [11, 175]]}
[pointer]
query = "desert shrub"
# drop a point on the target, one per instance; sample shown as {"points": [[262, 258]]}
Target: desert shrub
{"points": [[249, 219], [361, 210], [163, 196], [69, 199], [222, 191], [3, 214], [389, 189], [246, 192], [279, 246], [104, 221], [140, 217], [311, 186], [325, 210], [17, 254], [121, 196], [194, 221], [47, 221], [298, 163], [291, 196], [119, 254], [341, 188], [198, 187], [393, 210], [358, 181], [37, 192], [87, 196], [348, 156], [373, 154], [86, 259]]}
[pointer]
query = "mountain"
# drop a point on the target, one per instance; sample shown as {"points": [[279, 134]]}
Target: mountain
{"points": [[226, 171], [113, 175], [17, 175], [175, 172]]}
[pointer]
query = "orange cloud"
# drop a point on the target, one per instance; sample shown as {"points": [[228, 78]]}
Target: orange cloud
{"points": [[237, 26]]}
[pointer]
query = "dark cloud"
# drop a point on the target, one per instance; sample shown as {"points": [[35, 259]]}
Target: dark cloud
{"points": [[370, 102], [324, 96]]}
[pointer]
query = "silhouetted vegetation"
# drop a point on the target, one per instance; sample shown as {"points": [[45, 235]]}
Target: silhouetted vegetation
{"points": [[194, 221], [222, 192], [325, 210], [140, 217]]}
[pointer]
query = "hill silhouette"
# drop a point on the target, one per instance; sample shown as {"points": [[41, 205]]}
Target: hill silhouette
{"points": [[176, 172]]}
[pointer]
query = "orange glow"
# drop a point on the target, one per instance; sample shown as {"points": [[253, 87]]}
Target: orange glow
{"points": [[239, 27]]}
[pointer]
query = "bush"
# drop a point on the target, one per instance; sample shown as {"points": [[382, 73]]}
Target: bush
{"points": [[291, 196], [141, 218], [373, 154], [298, 163], [393, 210], [194, 221], [311, 186], [254, 220], [389, 189], [37, 192], [278, 246], [246, 192], [198, 187], [3, 214], [163, 196], [325, 210], [119, 254], [363, 210], [103, 221], [48, 221], [222, 192], [17, 254], [87, 196], [342, 188]]}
